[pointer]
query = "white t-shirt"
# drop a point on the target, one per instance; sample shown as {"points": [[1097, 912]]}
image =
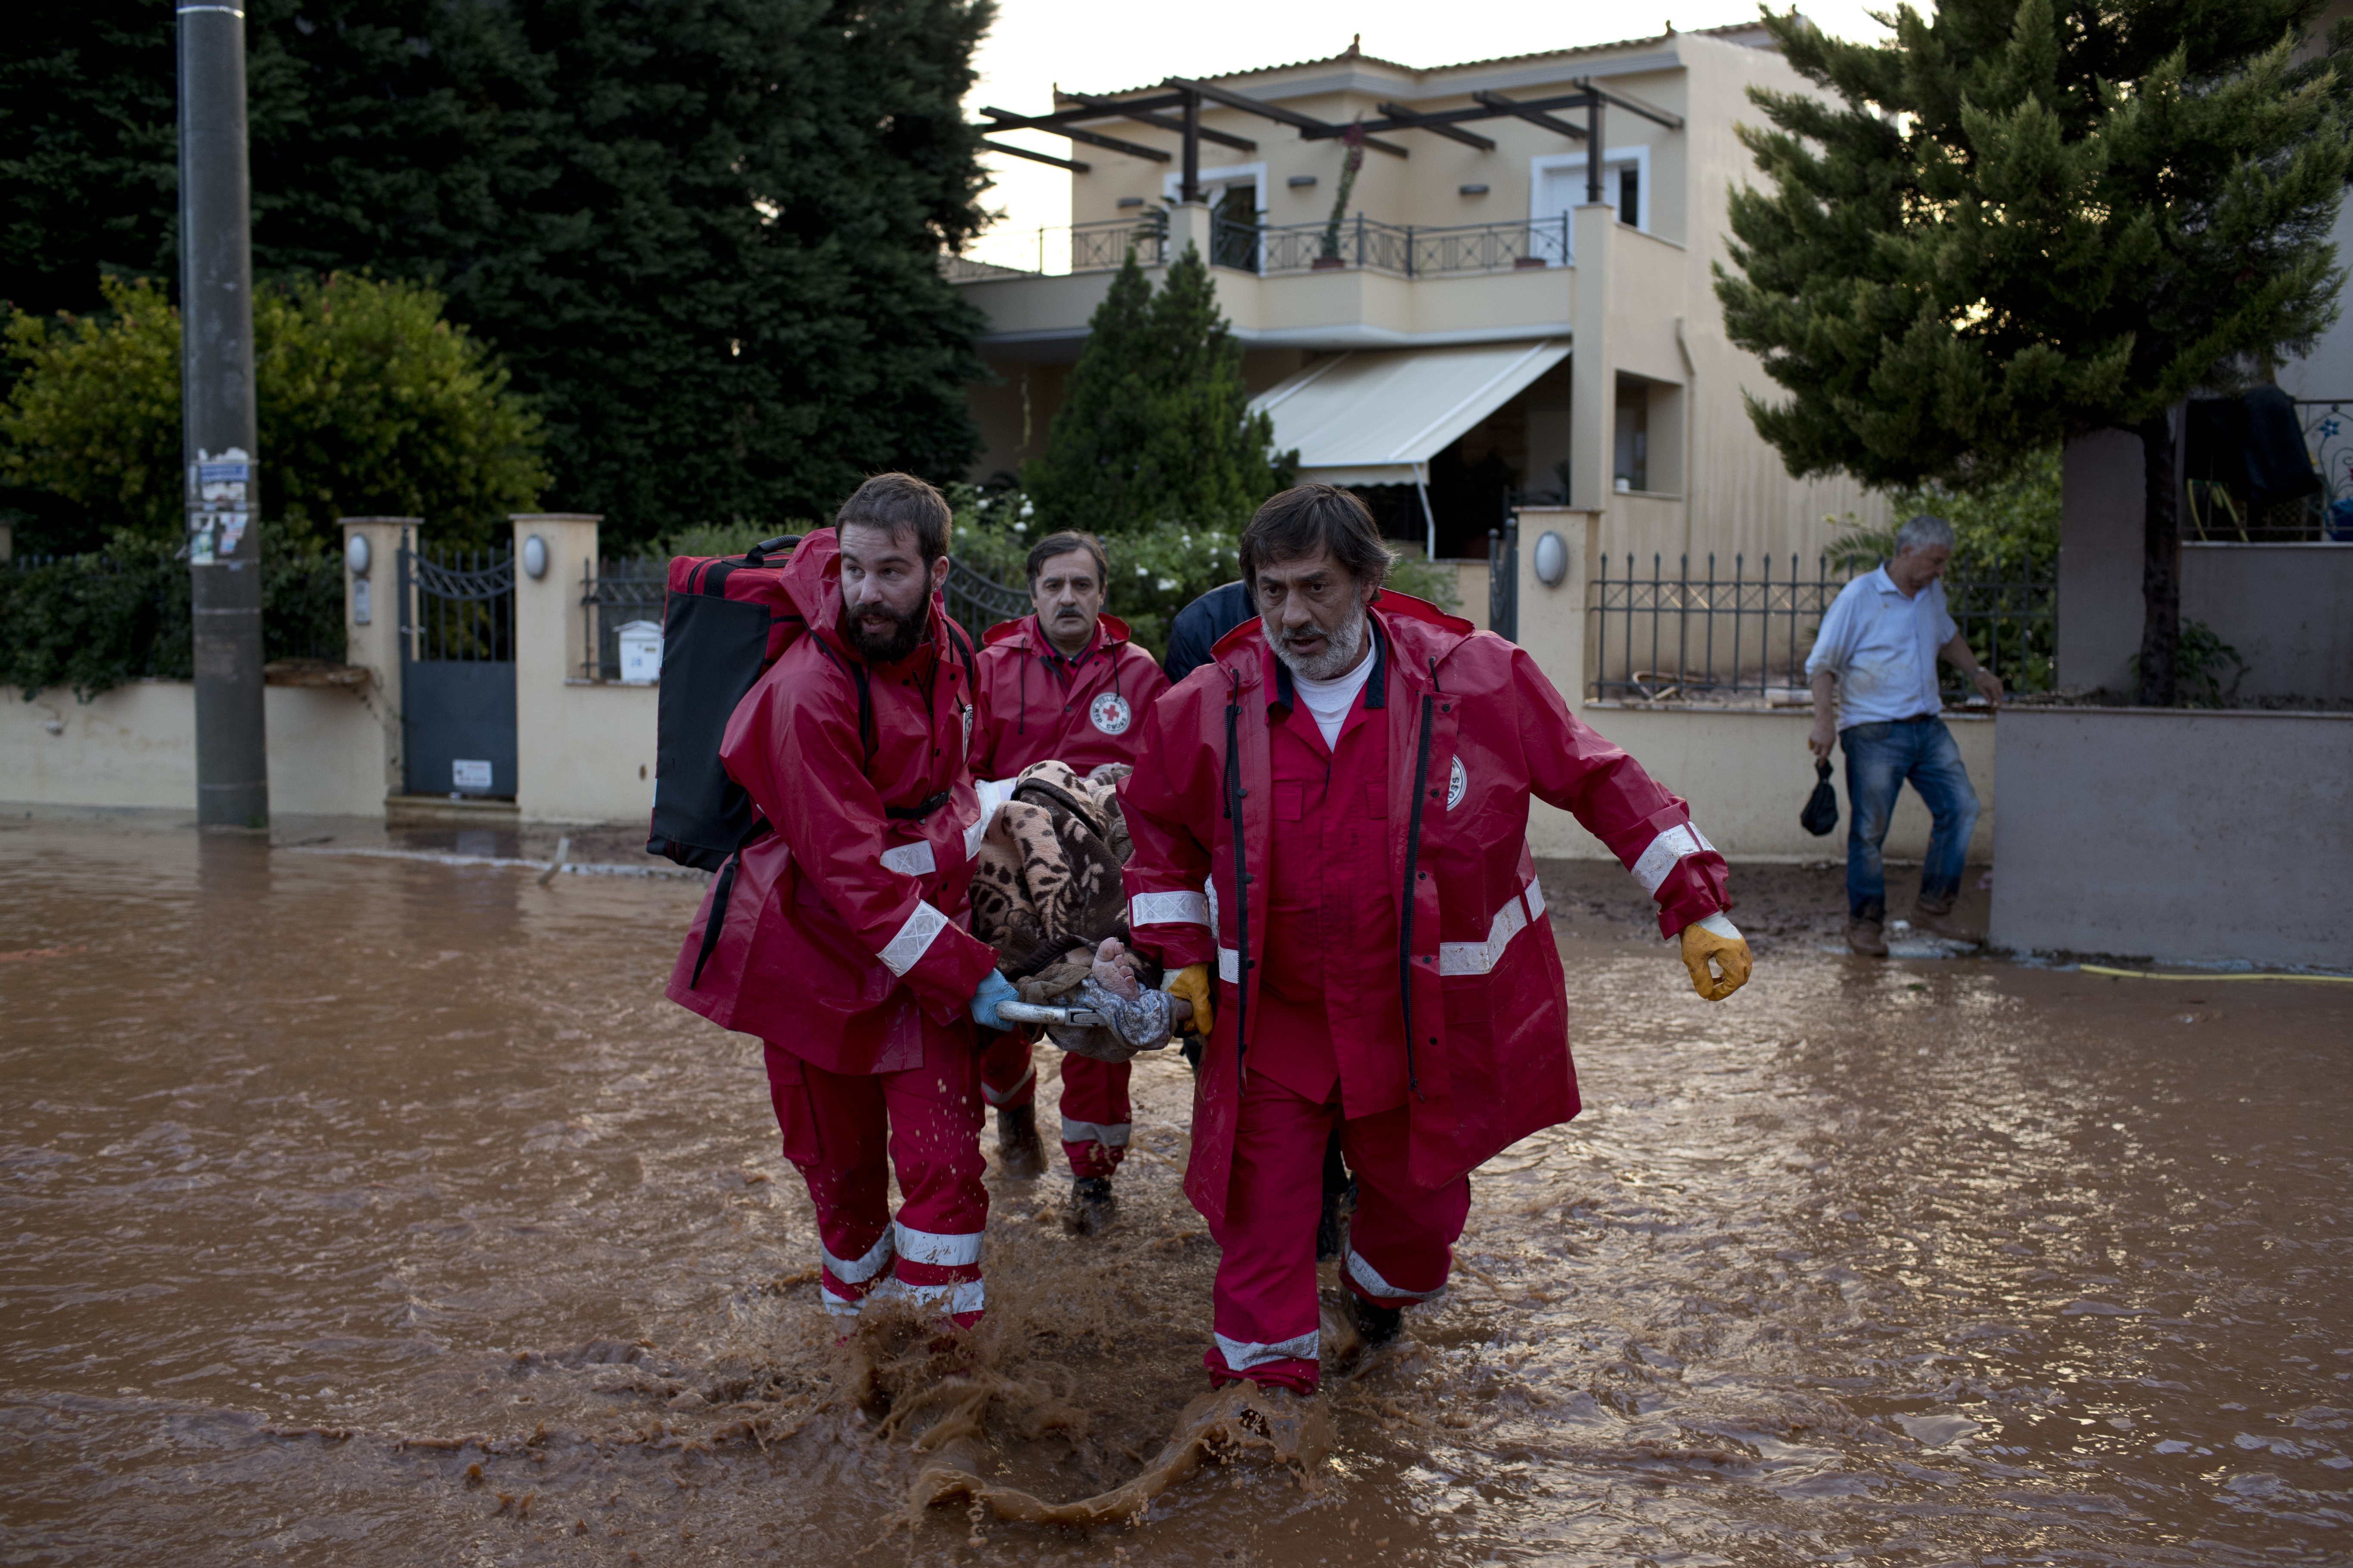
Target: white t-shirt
{"points": [[1327, 701], [1883, 649]]}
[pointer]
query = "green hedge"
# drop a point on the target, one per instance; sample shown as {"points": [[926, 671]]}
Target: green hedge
{"points": [[89, 622]]}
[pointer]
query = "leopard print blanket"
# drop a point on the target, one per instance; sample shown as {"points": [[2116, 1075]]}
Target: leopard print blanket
{"points": [[1045, 889]]}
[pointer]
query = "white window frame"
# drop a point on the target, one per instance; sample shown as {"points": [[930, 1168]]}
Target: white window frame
{"points": [[1231, 174], [1637, 156]]}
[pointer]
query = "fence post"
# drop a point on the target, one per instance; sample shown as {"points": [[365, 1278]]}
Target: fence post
{"points": [[373, 614]]}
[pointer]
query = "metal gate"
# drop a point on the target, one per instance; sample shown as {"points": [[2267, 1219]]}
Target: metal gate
{"points": [[456, 672]]}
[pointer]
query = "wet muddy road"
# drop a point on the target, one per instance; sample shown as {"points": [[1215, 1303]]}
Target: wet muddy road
{"points": [[372, 1211]]}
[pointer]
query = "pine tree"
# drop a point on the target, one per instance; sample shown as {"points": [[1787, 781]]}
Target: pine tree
{"points": [[2032, 219], [1155, 425], [704, 234]]}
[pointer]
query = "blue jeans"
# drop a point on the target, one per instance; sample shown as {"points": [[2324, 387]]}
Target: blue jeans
{"points": [[1879, 758]]}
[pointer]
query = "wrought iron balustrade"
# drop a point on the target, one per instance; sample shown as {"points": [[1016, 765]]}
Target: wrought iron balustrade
{"points": [[1402, 250], [1052, 252]]}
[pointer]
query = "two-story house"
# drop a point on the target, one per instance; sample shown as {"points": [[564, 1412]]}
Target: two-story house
{"points": [[1479, 310]]}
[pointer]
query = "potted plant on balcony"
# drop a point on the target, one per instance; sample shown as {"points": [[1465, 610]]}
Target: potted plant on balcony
{"points": [[1353, 138]]}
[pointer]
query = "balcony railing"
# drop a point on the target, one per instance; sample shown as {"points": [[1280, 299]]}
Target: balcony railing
{"points": [[1400, 250], [1054, 252]]}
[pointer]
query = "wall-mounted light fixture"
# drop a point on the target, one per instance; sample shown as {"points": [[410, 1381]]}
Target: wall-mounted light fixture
{"points": [[1301, 182], [355, 555], [534, 557], [1127, 202], [1474, 190], [1551, 559]]}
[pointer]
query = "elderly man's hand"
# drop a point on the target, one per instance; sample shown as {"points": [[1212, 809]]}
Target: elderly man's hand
{"points": [[1715, 938], [1989, 684]]}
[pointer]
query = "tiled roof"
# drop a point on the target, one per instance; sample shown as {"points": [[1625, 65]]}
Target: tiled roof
{"points": [[1356, 55]]}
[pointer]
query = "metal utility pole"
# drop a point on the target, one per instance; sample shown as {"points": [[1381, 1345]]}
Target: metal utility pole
{"points": [[224, 496]]}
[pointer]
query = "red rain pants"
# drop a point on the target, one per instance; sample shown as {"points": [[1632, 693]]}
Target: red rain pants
{"points": [[1095, 1117], [840, 1129], [1401, 1243]]}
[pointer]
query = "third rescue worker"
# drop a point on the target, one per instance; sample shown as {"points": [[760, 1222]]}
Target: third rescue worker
{"points": [[1064, 685], [1353, 773]]}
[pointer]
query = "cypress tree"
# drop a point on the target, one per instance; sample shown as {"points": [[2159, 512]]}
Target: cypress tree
{"points": [[2029, 219], [1155, 425]]}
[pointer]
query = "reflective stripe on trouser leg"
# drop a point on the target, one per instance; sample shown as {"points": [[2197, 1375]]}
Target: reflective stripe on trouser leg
{"points": [[848, 1282], [1401, 1237], [1264, 1296], [1008, 1074], [1095, 1113], [935, 1122]]}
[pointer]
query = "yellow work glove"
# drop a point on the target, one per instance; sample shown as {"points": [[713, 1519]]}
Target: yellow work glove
{"points": [[1191, 984], [1714, 937]]}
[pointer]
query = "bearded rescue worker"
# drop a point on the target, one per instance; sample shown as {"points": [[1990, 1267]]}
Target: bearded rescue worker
{"points": [[1353, 772], [844, 942], [1065, 685]]}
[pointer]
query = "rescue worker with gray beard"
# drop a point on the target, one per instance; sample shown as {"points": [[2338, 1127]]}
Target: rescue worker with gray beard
{"points": [[1353, 771]]}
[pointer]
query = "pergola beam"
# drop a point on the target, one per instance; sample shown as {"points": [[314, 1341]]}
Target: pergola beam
{"points": [[1005, 119], [1401, 117], [1143, 115], [1073, 164], [1632, 105], [1309, 126], [1534, 113]]}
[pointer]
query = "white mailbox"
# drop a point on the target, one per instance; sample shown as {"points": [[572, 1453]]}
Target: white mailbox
{"points": [[640, 653]]}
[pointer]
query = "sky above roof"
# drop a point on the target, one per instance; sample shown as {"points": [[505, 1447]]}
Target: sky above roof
{"points": [[1095, 47]]}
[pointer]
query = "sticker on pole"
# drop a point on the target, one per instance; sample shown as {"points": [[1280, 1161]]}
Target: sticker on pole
{"points": [[467, 773]]}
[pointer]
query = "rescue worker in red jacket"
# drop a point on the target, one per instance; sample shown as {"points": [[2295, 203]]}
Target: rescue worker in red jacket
{"points": [[1353, 774], [1066, 685], [844, 938]]}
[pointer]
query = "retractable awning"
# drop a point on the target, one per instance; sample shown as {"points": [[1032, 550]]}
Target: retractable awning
{"points": [[1376, 417]]}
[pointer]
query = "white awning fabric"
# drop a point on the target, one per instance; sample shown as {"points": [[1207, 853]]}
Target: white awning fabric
{"points": [[1375, 417]]}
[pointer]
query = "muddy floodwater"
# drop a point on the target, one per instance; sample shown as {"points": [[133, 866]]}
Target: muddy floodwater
{"points": [[363, 1210]]}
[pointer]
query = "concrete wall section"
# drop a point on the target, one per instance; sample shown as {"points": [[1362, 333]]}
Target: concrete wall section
{"points": [[136, 746], [584, 749], [2099, 562], [1746, 774], [2179, 836]]}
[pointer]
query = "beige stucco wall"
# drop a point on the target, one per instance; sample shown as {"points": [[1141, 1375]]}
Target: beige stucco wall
{"points": [[136, 746]]}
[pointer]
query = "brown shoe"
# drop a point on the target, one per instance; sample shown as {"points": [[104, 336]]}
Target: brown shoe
{"points": [[1865, 938], [1091, 1206], [1018, 1148]]}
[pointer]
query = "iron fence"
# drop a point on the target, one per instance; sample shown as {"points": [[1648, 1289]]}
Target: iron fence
{"points": [[614, 594], [1403, 250], [1053, 251], [1744, 637], [978, 601], [464, 605]]}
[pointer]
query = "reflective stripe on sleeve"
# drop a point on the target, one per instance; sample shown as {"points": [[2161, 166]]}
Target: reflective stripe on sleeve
{"points": [[1365, 1274], [906, 950], [1651, 868], [1230, 966], [1167, 909], [1109, 1134], [1242, 1355], [931, 1247], [1481, 957], [865, 1268], [911, 859]]}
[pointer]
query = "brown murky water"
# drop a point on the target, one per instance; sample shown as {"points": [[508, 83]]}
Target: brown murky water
{"points": [[362, 1210]]}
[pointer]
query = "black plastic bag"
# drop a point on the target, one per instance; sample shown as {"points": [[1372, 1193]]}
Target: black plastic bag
{"points": [[1821, 807]]}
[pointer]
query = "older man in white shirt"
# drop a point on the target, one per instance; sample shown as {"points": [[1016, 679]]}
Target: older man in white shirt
{"points": [[1874, 669]]}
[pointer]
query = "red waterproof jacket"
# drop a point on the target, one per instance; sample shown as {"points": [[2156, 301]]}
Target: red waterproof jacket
{"points": [[1036, 707], [1475, 729], [850, 918]]}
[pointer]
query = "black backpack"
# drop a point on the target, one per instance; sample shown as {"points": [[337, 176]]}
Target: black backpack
{"points": [[726, 619]]}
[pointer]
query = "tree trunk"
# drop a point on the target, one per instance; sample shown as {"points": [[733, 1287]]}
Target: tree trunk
{"points": [[2161, 572]]}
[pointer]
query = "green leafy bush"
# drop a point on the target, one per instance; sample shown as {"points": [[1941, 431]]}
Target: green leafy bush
{"points": [[91, 621], [370, 404]]}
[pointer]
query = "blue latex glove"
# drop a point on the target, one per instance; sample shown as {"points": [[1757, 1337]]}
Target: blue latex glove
{"points": [[993, 989]]}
